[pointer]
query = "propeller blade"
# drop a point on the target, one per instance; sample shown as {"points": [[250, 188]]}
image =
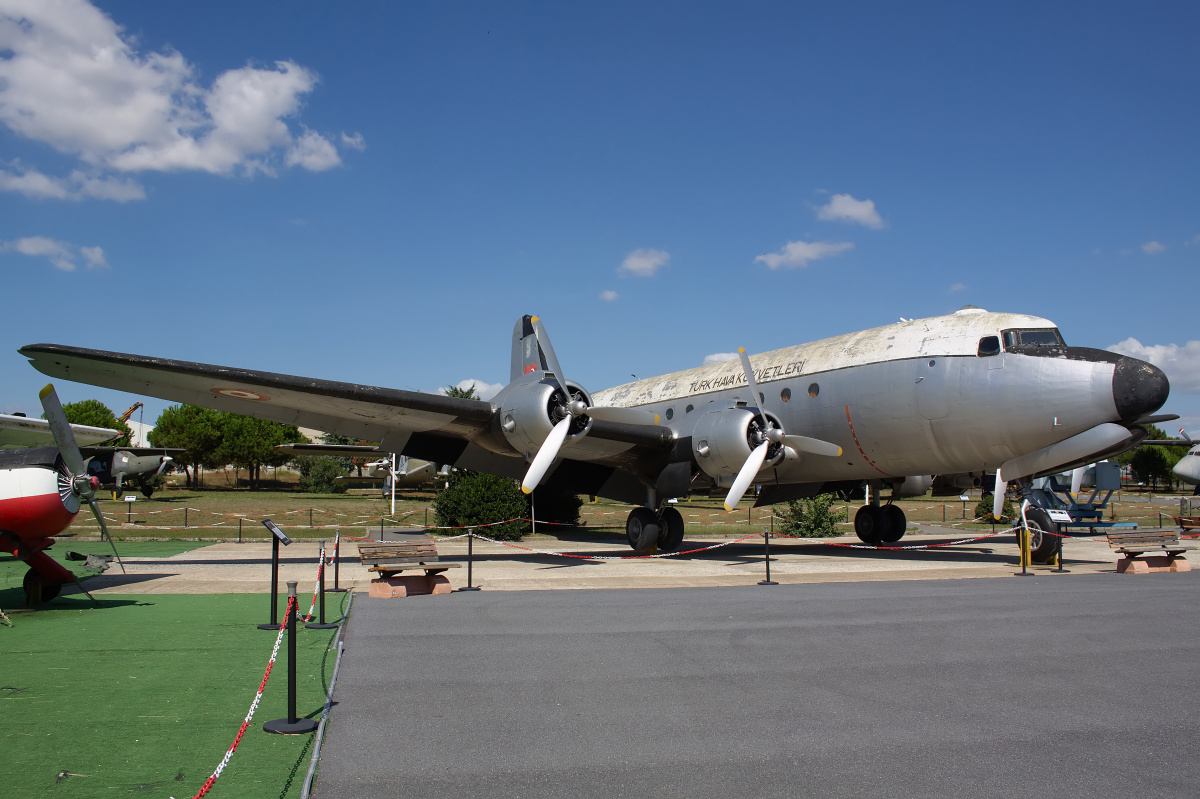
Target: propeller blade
{"points": [[744, 477], [60, 428], [998, 496], [104, 530], [813, 445], [546, 455], [551, 359], [758, 403], [623, 415], [1077, 479]]}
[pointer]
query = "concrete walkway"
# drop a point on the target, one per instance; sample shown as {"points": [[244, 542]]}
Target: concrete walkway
{"points": [[245, 568]]}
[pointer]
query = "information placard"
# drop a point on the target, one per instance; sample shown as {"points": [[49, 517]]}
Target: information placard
{"points": [[274, 528]]}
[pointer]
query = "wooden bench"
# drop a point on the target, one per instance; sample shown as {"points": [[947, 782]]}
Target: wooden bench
{"points": [[1162, 548], [392, 559]]}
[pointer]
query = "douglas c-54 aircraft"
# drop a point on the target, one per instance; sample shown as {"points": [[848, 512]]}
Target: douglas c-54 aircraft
{"points": [[957, 396]]}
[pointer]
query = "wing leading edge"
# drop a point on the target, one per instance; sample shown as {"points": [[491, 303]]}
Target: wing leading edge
{"points": [[368, 412]]}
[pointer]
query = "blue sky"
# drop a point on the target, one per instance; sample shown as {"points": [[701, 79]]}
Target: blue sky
{"points": [[377, 194]]}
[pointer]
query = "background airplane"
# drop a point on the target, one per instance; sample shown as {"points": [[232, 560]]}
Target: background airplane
{"points": [[1187, 468], [409, 472], [41, 488], [956, 395]]}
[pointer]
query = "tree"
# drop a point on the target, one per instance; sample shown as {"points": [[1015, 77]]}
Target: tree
{"points": [[95, 413], [462, 393], [813, 518], [472, 499], [249, 443], [1154, 463], [195, 429], [319, 473]]}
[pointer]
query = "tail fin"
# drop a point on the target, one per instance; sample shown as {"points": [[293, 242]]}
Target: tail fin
{"points": [[527, 355]]}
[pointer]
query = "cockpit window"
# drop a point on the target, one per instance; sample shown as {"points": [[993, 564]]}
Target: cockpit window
{"points": [[989, 345], [1038, 341]]}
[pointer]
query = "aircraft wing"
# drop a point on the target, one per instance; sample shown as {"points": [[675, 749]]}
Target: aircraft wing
{"points": [[336, 450], [347, 408], [90, 452], [19, 432]]}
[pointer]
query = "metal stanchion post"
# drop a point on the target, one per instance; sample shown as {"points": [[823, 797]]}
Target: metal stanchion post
{"points": [[767, 558], [337, 551], [274, 624], [322, 624], [291, 725], [470, 539], [277, 536], [1061, 568], [1023, 540], [185, 517]]}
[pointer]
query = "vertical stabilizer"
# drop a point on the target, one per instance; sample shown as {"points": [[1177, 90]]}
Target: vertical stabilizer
{"points": [[527, 356]]}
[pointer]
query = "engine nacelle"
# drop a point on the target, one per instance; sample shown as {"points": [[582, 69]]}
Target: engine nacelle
{"points": [[914, 485], [720, 440], [529, 412]]}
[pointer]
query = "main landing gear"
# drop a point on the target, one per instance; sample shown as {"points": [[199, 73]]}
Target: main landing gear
{"points": [[880, 524], [661, 529]]}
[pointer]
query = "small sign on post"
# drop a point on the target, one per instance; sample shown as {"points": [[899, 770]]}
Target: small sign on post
{"points": [[277, 536]]}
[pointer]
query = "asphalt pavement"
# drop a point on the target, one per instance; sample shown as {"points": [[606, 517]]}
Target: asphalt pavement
{"points": [[1049, 685]]}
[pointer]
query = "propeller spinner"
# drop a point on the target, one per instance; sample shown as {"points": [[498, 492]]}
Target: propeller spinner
{"points": [[573, 408], [769, 435]]}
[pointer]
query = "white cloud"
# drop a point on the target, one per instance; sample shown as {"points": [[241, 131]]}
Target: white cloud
{"points": [[70, 79], [77, 186], [1152, 247], [355, 142], [719, 357], [482, 390], [799, 253], [958, 287], [644, 263], [608, 296], [844, 208], [1181, 364], [62, 255]]}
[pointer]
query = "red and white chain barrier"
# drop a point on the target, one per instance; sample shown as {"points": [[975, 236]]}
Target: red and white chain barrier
{"points": [[316, 588], [262, 686]]}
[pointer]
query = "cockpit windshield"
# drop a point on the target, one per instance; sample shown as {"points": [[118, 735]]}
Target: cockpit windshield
{"points": [[1037, 341]]}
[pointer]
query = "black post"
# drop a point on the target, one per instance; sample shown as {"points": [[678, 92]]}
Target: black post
{"points": [[1061, 568], [274, 625], [291, 725], [185, 517], [239, 529], [322, 624], [767, 558], [337, 548], [310, 517], [1023, 542], [381, 529], [470, 540]]}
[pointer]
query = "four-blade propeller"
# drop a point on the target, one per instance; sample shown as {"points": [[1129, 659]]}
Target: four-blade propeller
{"points": [[82, 485], [573, 407]]}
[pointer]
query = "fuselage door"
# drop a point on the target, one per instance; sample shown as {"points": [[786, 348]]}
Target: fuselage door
{"points": [[936, 379]]}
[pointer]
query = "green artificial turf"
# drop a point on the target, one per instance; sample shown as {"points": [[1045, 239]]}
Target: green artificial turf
{"points": [[146, 693], [12, 571]]}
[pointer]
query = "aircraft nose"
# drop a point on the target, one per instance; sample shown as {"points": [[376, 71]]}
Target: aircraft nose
{"points": [[1138, 388]]}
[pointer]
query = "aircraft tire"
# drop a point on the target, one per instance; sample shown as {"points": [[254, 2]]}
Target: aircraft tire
{"points": [[870, 524], [635, 526], [38, 589], [1041, 546], [146, 490], [671, 536], [896, 524]]}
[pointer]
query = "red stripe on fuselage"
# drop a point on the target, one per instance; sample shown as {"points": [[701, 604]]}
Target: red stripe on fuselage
{"points": [[34, 516]]}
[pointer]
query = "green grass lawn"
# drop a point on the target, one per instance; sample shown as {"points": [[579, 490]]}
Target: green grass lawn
{"points": [[146, 693]]}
